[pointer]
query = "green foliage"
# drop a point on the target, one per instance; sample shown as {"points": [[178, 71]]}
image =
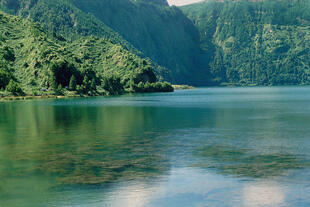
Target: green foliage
{"points": [[5, 78], [7, 54], [111, 61], [63, 71], [14, 88], [162, 33], [45, 64], [112, 84], [145, 74], [255, 43], [72, 83], [214, 42], [61, 18], [93, 85], [153, 87], [85, 87], [53, 82], [59, 90]]}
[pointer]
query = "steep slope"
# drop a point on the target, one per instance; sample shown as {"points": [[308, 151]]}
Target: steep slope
{"points": [[61, 17], [162, 33], [238, 42], [44, 63], [255, 42]]}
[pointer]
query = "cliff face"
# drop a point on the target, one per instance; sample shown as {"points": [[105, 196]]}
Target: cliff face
{"points": [[255, 42], [245, 42], [162, 33]]}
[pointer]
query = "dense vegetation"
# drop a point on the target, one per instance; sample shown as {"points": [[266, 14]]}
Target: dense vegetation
{"points": [[215, 42], [261, 43], [35, 62], [62, 18], [162, 33]]}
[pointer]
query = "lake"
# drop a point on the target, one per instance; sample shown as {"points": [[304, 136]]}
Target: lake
{"points": [[205, 147]]}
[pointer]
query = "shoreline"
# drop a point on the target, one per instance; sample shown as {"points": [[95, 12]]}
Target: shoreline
{"points": [[183, 87], [32, 97], [176, 88], [29, 97]]}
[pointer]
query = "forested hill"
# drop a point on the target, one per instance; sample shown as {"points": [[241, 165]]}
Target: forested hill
{"points": [[162, 33], [62, 18], [262, 42], [35, 62], [241, 42]]}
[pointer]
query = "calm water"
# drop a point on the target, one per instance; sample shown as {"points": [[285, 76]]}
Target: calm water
{"points": [[205, 147]]}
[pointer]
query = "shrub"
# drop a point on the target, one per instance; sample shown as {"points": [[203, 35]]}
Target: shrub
{"points": [[14, 88], [112, 84], [5, 77], [8, 54], [59, 90], [153, 87], [62, 71], [72, 84]]}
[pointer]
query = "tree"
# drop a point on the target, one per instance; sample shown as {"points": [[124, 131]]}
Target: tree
{"points": [[53, 82], [86, 85], [93, 84], [63, 70], [59, 90], [72, 84], [112, 84], [4, 78], [14, 88]]}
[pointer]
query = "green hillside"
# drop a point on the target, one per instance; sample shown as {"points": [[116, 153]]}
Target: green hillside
{"points": [[61, 17], [210, 43], [162, 33], [260, 43], [37, 63]]}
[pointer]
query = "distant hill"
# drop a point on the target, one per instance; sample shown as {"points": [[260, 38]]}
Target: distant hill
{"points": [[255, 42]]}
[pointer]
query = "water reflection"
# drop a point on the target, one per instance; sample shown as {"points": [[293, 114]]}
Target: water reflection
{"points": [[82, 145], [199, 148], [268, 194], [138, 195], [246, 163]]}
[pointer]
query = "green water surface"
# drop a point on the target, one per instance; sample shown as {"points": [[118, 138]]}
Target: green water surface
{"points": [[203, 147]]}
